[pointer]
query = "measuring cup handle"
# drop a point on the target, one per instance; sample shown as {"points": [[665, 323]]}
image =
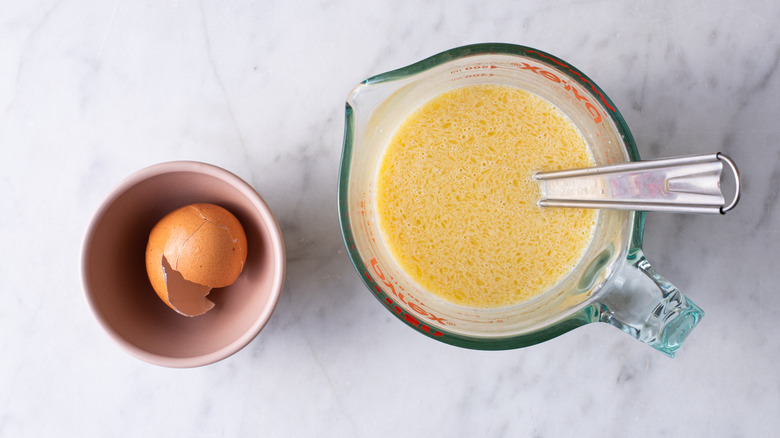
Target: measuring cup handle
{"points": [[648, 307]]}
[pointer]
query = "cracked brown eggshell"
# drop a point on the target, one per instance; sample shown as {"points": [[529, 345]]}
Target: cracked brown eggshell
{"points": [[205, 244]]}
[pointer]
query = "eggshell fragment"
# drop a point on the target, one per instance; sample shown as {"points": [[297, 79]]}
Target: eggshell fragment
{"points": [[192, 250], [186, 297]]}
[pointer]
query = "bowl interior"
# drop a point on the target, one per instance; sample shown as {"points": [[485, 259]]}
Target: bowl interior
{"points": [[119, 290]]}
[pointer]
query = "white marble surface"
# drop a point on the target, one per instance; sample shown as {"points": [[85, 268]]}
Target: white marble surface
{"points": [[93, 91]]}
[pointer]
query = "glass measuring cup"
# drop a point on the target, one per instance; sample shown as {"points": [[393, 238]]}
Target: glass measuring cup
{"points": [[613, 282]]}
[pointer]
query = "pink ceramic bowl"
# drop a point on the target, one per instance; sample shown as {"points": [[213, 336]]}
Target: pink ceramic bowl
{"points": [[118, 289]]}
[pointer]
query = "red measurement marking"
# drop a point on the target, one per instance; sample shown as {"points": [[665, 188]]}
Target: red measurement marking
{"points": [[552, 77], [417, 309], [582, 78]]}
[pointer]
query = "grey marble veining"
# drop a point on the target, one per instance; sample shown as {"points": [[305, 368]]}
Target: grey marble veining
{"points": [[91, 92]]}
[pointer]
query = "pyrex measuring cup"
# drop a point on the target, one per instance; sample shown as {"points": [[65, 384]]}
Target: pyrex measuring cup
{"points": [[613, 283]]}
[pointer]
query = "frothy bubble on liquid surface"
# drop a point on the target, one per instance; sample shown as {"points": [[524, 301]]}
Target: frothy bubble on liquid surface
{"points": [[457, 205]]}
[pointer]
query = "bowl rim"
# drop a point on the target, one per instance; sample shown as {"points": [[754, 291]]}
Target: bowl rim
{"points": [[276, 243]]}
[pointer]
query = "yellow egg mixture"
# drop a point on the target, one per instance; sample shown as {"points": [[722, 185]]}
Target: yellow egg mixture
{"points": [[457, 204]]}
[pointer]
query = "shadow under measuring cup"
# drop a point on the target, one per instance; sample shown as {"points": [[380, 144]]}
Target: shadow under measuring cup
{"points": [[613, 282]]}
